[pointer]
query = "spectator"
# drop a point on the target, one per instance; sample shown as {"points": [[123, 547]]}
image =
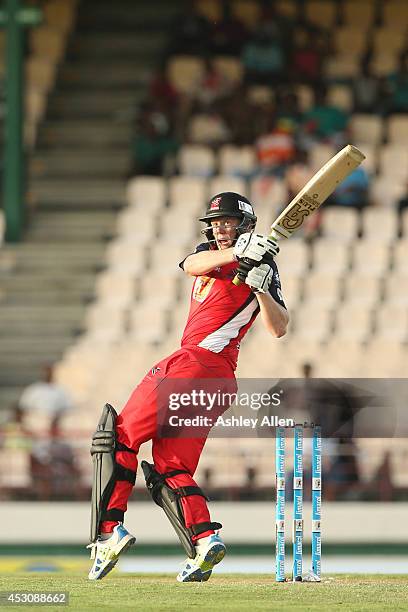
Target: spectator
{"points": [[213, 85], [276, 148], [263, 57], [53, 468], [397, 85], [324, 122], [161, 89], [241, 115], [152, 144], [307, 59], [229, 34], [191, 32], [46, 396], [367, 90], [353, 191]]}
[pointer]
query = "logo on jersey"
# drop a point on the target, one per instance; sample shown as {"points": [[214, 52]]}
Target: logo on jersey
{"points": [[215, 204], [154, 370], [202, 287]]}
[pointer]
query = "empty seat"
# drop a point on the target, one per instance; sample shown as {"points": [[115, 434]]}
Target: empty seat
{"points": [[364, 290], [187, 194], [388, 40], [340, 223], [385, 358], [207, 129], [341, 358], [340, 96], [354, 322], [396, 289], [331, 257], [146, 192], [291, 289], [321, 290], [166, 258], [268, 192], [391, 321], [400, 257], [287, 7], [227, 183], [230, 67], [361, 13], [397, 129], [342, 67], [114, 288], [148, 324], [371, 258], [293, 258], [393, 161], [247, 11], [320, 154], [211, 9], [305, 96], [380, 224], [321, 12], [179, 227], [133, 223], [366, 128], [404, 223], [237, 161], [127, 256], [196, 160], [386, 191], [350, 40], [185, 73], [395, 14], [312, 322], [106, 321], [159, 288], [383, 64]]}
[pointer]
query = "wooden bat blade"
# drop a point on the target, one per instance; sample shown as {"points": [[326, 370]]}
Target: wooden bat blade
{"points": [[316, 191]]}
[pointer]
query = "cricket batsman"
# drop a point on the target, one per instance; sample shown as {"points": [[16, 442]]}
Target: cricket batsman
{"points": [[220, 315]]}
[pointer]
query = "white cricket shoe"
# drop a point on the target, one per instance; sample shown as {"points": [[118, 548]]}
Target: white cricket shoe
{"points": [[106, 552], [210, 551]]}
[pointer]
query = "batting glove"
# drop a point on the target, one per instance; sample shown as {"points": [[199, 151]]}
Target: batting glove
{"points": [[259, 278], [255, 247]]}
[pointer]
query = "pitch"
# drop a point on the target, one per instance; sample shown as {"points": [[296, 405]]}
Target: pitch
{"points": [[227, 592]]}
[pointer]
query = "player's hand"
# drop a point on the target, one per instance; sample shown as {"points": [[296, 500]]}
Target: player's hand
{"points": [[257, 276], [255, 247]]}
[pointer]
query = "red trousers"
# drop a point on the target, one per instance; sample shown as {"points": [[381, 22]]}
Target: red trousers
{"points": [[137, 423]]}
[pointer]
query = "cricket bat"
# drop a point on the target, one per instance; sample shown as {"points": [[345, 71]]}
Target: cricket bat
{"points": [[314, 193]]}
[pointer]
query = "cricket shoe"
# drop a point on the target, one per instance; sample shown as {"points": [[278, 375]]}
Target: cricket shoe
{"points": [[210, 551], [106, 552]]}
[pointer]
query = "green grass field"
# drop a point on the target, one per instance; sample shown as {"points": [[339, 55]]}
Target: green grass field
{"points": [[227, 592]]}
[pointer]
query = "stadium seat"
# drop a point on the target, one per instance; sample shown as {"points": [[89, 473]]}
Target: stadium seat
{"points": [[159, 289], [342, 66], [237, 161], [371, 153], [187, 194], [362, 290], [268, 192], [137, 224], [312, 322], [47, 42], [331, 257], [230, 67], [366, 129], [247, 11], [385, 358], [385, 191], [287, 7], [227, 183], [396, 289], [196, 160], [400, 257], [293, 258], [146, 193], [340, 96], [179, 228], [291, 290], [106, 321], [380, 224], [205, 129], [388, 40], [354, 322], [166, 258], [148, 325], [305, 96], [320, 154], [185, 73], [350, 40], [340, 357], [339, 223], [391, 322], [321, 13], [211, 9], [111, 288], [371, 258], [395, 15], [358, 13], [397, 129], [404, 223], [393, 161], [383, 64], [127, 256], [321, 290]]}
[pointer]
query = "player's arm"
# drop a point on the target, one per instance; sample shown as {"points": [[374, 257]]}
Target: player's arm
{"points": [[274, 316], [205, 261]]}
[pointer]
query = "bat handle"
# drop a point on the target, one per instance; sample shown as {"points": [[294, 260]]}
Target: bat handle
{"points": [[236, 281]]}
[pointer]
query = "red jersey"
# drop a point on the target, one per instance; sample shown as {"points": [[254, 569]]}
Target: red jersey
{"points": [[221, 313]]}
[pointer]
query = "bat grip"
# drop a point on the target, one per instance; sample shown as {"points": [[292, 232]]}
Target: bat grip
{"points": [[236, 280]]}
